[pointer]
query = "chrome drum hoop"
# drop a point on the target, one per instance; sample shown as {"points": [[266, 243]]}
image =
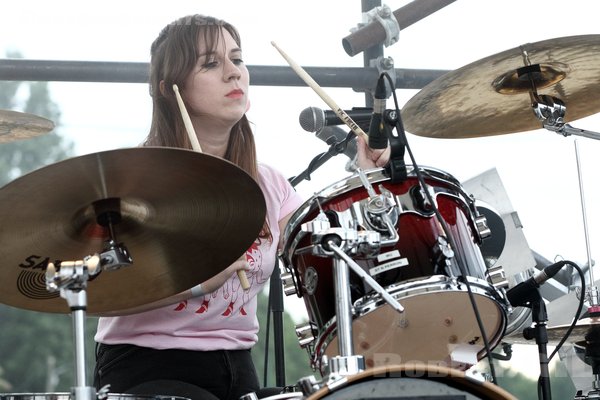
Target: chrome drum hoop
{"points": [[414, 291]]}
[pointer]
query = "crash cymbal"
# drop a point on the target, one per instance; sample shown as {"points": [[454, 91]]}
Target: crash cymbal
{"points": [[16, 125], [582, 328], [487, 97], [184, 217]]}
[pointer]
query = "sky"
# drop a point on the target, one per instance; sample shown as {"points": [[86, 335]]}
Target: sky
{"points": [[538, 168]]}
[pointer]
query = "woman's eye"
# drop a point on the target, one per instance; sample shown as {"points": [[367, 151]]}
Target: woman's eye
{"points": [[210, 64]]}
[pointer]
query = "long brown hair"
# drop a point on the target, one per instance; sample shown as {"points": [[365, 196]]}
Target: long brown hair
{"points": [[173, 56]]}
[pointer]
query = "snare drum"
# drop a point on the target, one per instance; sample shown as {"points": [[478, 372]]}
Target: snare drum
{"points": [[438, 324], [411, 381]]}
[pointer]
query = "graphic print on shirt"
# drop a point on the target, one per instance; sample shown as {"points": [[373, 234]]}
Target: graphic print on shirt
{"points": [[232, 289]]}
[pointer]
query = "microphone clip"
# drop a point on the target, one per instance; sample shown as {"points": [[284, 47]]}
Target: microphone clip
{"points": [[396, 168]]}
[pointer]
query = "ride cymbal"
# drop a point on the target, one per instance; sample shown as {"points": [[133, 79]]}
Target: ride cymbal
{"points": [[491, 96], [184, 216], [16, 125]]}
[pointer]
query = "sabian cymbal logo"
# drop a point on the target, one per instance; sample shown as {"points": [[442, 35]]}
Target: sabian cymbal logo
{"points": [[31, 281]]}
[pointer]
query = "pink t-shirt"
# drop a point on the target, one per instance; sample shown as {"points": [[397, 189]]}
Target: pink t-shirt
{"points": [[225, 319]]}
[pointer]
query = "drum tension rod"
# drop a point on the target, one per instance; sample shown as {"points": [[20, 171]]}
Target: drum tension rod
{"points": [[334, 247]]}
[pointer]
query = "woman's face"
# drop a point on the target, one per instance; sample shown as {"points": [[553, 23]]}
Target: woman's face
{"points": [[217, 87]]}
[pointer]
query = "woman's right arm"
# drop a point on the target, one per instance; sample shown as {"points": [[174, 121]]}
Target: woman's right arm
{"points": [[206, 287]]}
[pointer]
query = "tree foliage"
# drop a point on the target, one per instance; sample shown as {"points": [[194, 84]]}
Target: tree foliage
{"points": [[23, 156], [36, 351]]}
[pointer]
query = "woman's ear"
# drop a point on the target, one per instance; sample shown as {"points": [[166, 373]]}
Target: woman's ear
{"points": [[162, 88]]}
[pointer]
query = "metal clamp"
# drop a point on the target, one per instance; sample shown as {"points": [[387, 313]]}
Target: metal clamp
{"points": [[386, 18]]}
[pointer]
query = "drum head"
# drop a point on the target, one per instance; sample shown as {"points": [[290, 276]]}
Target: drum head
{"points": [[437, 327]]}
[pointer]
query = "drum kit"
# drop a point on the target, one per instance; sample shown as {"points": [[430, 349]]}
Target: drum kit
{"points": [[401, 299], [450, 305]]}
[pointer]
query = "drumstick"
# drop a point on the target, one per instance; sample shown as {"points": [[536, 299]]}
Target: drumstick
{"points": [[326, 98], [187, 121], [196, 146]]}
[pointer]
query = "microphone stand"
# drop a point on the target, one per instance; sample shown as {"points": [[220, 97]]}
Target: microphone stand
{"points": [[540, 334], [276, 302], [334, 149]]}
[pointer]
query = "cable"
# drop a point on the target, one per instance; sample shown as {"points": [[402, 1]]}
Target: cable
{"points": [[577, 313], [449, 237]]}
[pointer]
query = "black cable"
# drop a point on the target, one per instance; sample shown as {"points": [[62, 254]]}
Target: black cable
{"points": [[459, 261], [577, 313]]}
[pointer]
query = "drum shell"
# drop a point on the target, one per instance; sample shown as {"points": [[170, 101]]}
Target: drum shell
{"points": [[415, 251]]}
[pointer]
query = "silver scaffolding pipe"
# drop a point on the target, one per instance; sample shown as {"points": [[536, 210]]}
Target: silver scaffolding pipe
{"points": [[359, 79]]}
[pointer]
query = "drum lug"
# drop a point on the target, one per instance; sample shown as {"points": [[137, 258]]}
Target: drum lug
{"points": [[319, 224], [482, 226], [443, 253], [308, 385], [497, 277], [103, 392], [287, 280], [249, 396], [305, 334]]}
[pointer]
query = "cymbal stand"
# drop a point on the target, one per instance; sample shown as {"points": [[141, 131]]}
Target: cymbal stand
{"points": [[592, 348], [548, 109], [70, 278], [592, 294], [551, 111], [338, 242]]}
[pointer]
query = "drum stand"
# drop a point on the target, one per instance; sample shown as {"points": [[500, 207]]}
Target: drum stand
{"points": [[592, 338], [70, 278], [540, 334], [551, 111], [337, 243]]}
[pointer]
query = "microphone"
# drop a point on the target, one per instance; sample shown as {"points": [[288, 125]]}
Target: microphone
{"points": [[313, 119], [520, 294], [378, 136]]}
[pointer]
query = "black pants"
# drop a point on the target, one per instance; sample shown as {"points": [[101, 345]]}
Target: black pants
{"points": [[198, 375]]}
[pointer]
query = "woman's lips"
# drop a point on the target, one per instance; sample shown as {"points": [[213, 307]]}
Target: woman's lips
{"points": [[235, 94]]}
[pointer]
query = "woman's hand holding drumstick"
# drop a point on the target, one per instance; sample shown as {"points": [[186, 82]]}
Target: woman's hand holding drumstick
{"points": [[367, 157], [196, 146]]}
